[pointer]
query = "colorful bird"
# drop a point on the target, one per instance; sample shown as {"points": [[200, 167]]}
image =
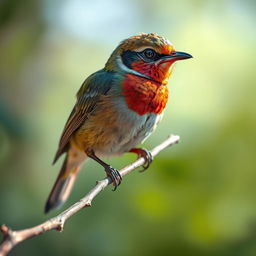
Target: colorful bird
{"points": [[117, 108]]}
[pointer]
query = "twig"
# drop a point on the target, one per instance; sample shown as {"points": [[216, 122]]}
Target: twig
{"points": [[12, 237]]}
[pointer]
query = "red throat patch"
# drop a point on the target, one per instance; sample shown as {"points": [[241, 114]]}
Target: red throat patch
{"points": [[144, 96], [159, 73]]}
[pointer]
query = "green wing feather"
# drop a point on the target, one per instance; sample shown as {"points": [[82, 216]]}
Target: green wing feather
{"points": [[88, 95]]}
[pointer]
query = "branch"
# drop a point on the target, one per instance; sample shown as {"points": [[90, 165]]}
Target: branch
{"points": [[12, 237]]}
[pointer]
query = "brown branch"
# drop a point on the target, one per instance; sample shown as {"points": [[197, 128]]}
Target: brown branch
{"points": [[12, 237]]}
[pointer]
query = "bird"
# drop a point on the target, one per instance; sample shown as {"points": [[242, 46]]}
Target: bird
{"points": [[117, 108]]}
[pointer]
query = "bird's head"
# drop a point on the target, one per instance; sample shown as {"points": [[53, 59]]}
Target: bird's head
{"points": [[147, 55]]}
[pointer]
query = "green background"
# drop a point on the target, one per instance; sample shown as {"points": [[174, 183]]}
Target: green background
{"points": [[198, 197]]}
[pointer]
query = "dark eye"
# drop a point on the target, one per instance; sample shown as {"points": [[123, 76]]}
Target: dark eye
{"points": [[149, 53]]}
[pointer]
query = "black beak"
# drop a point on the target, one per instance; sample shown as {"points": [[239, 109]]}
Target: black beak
{"points": [[177, 56]]}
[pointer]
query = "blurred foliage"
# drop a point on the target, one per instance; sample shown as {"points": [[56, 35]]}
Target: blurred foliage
{"points": [[198, 198]]}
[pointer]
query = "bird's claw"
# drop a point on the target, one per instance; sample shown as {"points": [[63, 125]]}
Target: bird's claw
{"points": [[148, 159], [114, 175], [142, 152]]}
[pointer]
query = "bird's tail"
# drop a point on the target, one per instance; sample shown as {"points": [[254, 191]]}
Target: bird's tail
{"points": [[64, 183]]}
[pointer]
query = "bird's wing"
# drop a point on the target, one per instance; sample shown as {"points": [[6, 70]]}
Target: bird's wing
{"points": [[88, 95]]}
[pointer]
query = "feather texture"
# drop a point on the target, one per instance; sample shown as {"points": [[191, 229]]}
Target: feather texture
{"points": [[144, 96], [94, 86]]}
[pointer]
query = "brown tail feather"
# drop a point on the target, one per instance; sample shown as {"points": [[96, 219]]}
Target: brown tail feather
{"points": [[62, 187]]}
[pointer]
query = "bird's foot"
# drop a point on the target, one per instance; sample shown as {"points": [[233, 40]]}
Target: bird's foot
{"points": [[142, 152], [115, 176], [111, 172]]}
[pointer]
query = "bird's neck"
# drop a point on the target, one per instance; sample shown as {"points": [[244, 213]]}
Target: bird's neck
{"points": [[158, 72], [143, 95]]}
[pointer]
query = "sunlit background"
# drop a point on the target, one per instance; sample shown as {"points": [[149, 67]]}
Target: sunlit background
{"points": [[198, 197]]}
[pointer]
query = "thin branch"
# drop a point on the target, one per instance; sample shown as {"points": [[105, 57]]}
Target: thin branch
{"points": [[12, 237]]}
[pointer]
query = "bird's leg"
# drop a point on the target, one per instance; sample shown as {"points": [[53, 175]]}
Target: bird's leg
{"points": [[142, 152], [110, 171]]}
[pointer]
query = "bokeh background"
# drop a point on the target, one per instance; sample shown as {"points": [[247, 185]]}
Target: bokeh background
{"points": [[198, 198]]}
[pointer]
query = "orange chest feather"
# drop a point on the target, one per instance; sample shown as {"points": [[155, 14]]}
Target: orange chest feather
{"points": [[144, 96]]}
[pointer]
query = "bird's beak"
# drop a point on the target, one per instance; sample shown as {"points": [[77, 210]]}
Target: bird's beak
{"points": [[176, 56]]}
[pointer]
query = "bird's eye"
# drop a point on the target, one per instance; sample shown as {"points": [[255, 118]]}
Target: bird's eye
{"points": [[149, 53]]}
